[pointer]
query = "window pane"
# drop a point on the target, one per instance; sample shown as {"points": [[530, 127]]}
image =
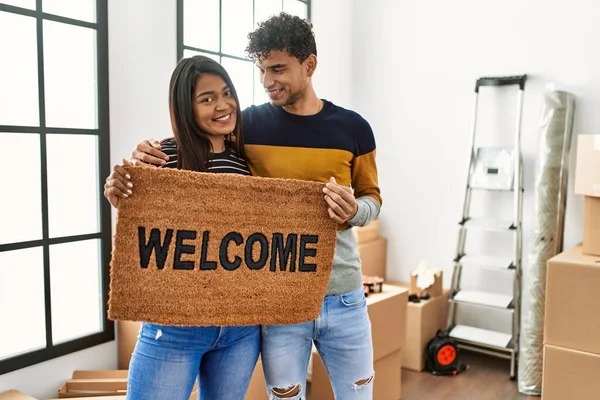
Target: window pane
{"points": [[18, 71], [72, 184], [21, 201], [295, 7], [20, 3], [201, 24], [237, 22], [241, 73], [190, 53], [22, 307], [263, 9], [260, 96], [70, 76], [83, 10], [76, 290]]}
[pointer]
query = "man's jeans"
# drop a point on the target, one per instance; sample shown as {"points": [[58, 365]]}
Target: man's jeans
{"points": [[167, 360], [342, 335]]}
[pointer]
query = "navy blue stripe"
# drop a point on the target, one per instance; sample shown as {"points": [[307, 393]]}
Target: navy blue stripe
{"points": [[332, 128]]}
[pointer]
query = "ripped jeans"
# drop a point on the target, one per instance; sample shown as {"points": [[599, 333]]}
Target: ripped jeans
{"points": [[341, 334], [168, 359]]}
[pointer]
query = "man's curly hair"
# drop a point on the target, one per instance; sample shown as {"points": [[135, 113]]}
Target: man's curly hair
{"points": [[282, 32]]}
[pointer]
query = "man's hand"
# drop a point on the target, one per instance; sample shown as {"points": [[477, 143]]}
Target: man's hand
{"points": [[118, 185], [341, 202], [148, 154]]}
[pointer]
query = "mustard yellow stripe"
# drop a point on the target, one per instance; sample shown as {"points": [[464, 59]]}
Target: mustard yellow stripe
{"points": [[364, 177], [300, 163]]}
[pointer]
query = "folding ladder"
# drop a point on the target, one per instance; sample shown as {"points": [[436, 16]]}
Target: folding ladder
{"points": [[492, 169]]}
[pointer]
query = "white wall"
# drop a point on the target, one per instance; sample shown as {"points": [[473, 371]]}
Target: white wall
{"points": [[414, 68], [142, 55], [332, 23]]}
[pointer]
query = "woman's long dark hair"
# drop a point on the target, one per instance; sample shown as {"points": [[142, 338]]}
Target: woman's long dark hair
{"points": [[193, 146]]}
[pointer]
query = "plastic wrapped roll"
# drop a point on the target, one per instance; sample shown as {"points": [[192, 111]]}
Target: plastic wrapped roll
{"points": [[556, 126]]}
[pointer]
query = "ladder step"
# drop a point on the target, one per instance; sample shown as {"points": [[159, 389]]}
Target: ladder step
{"points": [[484, 299], [480, 336], [494, 169], [487, 261], [488, 224]]}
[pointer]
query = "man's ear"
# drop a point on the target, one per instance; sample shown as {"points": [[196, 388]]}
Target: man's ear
{"points": [[311, 65]]}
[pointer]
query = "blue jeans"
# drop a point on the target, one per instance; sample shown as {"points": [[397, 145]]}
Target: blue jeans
{"points": [[341, 334], [168, 359]]}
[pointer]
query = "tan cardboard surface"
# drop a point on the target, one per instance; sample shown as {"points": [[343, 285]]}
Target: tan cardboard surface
{"points": [[570, 374], [572, 318], [587, 171], [387, 312], [386, 386], [14, 395], [373, 255], [367, 233], [591, 226]]}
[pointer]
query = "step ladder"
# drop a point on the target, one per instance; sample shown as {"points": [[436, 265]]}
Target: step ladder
{"points": [[492, 169]]}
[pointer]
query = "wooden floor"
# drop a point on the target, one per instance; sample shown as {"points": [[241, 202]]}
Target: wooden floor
{"points": [[486, 379]]}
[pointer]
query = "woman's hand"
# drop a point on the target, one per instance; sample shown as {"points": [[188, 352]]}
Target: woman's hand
{"points": [[118, 185]]}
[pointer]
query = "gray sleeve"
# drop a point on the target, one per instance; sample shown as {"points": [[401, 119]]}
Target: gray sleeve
{"points": [[368, 210]]}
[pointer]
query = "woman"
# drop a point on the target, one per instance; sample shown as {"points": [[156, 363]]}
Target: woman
{"points": [[207, 128]]}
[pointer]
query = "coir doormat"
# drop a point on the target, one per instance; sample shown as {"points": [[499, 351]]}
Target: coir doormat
{"points": [[218, 249]]}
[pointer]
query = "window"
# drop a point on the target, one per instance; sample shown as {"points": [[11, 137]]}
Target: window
{"points": [[55, 226], [219, 29]]}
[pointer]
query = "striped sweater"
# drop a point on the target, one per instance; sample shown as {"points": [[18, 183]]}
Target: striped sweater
{"points": [[227, 162], [334, 142]]}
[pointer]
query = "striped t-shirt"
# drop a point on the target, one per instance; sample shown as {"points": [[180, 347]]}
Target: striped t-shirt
{"points": [[227, 162]]}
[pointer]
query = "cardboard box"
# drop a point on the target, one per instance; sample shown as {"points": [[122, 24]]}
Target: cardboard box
{"points": [[94, 384], [367, 233], [257, 389], [14, 395], [373, 256], [570, 374], [435, 290], [587, 173], [123, 397], [572, 319], [591, 226], [127, 335], [386, 386], [387, 312], [423, 321], [106, 384]]}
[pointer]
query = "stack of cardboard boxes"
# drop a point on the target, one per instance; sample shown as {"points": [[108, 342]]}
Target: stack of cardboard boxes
{"points": [[423, 319], [572, 318]]}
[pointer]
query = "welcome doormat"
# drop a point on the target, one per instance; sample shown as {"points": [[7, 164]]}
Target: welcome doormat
{"points": [[198, 249]]}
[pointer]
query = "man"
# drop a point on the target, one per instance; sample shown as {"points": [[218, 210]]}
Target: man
{"points": [[299, 136]]}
